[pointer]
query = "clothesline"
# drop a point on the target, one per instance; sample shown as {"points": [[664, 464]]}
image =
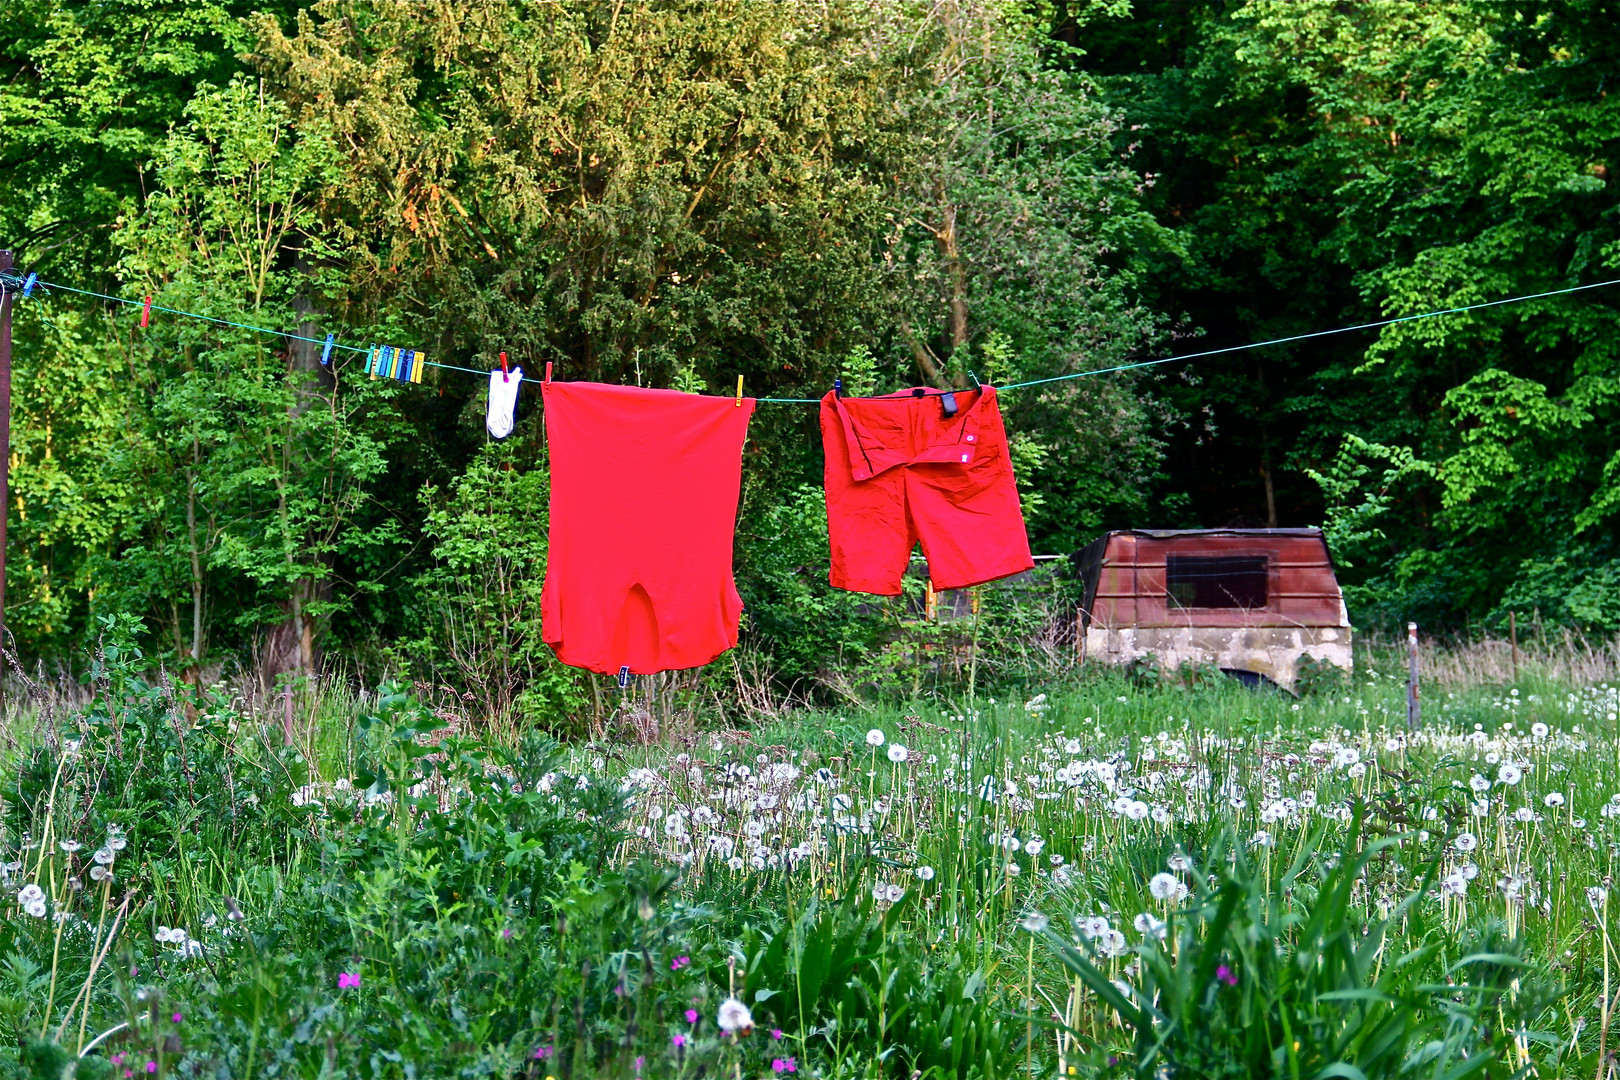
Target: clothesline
{"points": [[25, 286]]}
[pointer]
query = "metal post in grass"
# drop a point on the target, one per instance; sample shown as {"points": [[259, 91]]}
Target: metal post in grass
{"points": [[1513, 640], [1412, 716]]}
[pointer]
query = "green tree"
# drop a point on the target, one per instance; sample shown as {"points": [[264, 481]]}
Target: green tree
{"points": [[250, 468], [1333, 164]]}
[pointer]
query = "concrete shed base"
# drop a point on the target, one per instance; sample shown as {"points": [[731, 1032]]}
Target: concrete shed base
{"points": [[1271, 651]]}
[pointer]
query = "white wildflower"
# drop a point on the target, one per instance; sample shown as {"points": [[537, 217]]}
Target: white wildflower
{"points": [[1509, 774], [734, 1018], [1034, 922], [1162, 886], [873, 738], [897, 753], [1112, 943]]}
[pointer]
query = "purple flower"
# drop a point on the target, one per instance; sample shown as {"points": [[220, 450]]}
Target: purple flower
{"points": [[178, 1017], [679, 962], [543, 1052], [1226, 975], [785, 1065], [506, 933], [151, 1066], [691, 1016], [776, 1033], [678, 1039], [640, 1061], [348, 980]]}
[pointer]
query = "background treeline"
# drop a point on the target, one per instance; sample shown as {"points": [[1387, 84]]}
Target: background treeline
{"points": [[673, 194]]}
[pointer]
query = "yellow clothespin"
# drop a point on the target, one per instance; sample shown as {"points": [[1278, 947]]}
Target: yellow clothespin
{"points": [[416, 368], [371, 361], [739, 391]]}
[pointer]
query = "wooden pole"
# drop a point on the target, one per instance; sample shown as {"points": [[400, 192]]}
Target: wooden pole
{"points": [[5, 444], [1513, 639], [1413, 719]]}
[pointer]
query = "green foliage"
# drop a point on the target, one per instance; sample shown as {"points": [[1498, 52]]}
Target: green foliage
{"points": [[477, 610], [806, 626], [1249, 980], [1325, 165], [864, 985]]}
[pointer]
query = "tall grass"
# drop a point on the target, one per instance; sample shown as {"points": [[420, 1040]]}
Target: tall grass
{"points": [[1026, 887]]}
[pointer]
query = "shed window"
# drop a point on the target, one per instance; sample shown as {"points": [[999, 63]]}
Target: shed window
{"points": [[1216, 581]]}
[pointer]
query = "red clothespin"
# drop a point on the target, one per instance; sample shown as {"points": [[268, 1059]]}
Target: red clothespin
{"points": [[146, 312], [548, 371], [506, 375]]}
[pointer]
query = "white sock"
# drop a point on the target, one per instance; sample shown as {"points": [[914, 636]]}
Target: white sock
{"points": [[503, 395]]}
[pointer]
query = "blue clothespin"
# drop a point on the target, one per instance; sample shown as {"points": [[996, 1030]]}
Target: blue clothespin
{"points": [[624, 676], [326, 350], [28, 286], [838, 388]]}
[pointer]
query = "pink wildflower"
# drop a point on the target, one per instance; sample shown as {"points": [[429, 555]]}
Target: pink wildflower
{"points": [[691, 1016], [348, 980], [678, 1039]]}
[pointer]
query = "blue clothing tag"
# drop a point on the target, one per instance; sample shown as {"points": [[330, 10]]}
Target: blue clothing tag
{"points": [[624, 676]]}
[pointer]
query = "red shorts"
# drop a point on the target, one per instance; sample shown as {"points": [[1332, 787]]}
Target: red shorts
{"points": [[900, 471]]}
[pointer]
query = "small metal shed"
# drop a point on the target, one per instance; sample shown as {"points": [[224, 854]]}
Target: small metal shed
{"points": [[1252, 602]]}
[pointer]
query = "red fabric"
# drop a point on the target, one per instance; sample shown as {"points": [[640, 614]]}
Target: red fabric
{"points": [[644, 487], [899, 471]]}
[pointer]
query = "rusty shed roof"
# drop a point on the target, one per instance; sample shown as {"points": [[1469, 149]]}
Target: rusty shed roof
{"points": [[1228, 578]]}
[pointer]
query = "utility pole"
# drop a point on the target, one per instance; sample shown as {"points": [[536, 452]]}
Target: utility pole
{"points": [[5, 445]]}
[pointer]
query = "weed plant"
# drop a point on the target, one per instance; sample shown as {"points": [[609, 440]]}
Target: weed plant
{"points": [[1097, 878]]}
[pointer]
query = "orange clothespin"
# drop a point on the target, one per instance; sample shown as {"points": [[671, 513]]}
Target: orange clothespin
{"points": [[506, 375], [739, 391], [146, 313]]}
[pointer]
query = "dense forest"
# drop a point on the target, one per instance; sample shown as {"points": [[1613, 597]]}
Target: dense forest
{"points": [[897, 194]]}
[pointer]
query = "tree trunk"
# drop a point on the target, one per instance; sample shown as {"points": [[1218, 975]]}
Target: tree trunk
{"points": [[290, 645], [950, 247]]}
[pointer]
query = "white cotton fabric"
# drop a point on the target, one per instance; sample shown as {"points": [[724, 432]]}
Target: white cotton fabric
{"points": [[503, 395]]}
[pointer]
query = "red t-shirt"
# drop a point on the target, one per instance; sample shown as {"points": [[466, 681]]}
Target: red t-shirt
{"points": [[644, 489]]}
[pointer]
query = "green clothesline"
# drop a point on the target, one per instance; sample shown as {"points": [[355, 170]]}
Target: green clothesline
{"points": [[21, 285]]}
